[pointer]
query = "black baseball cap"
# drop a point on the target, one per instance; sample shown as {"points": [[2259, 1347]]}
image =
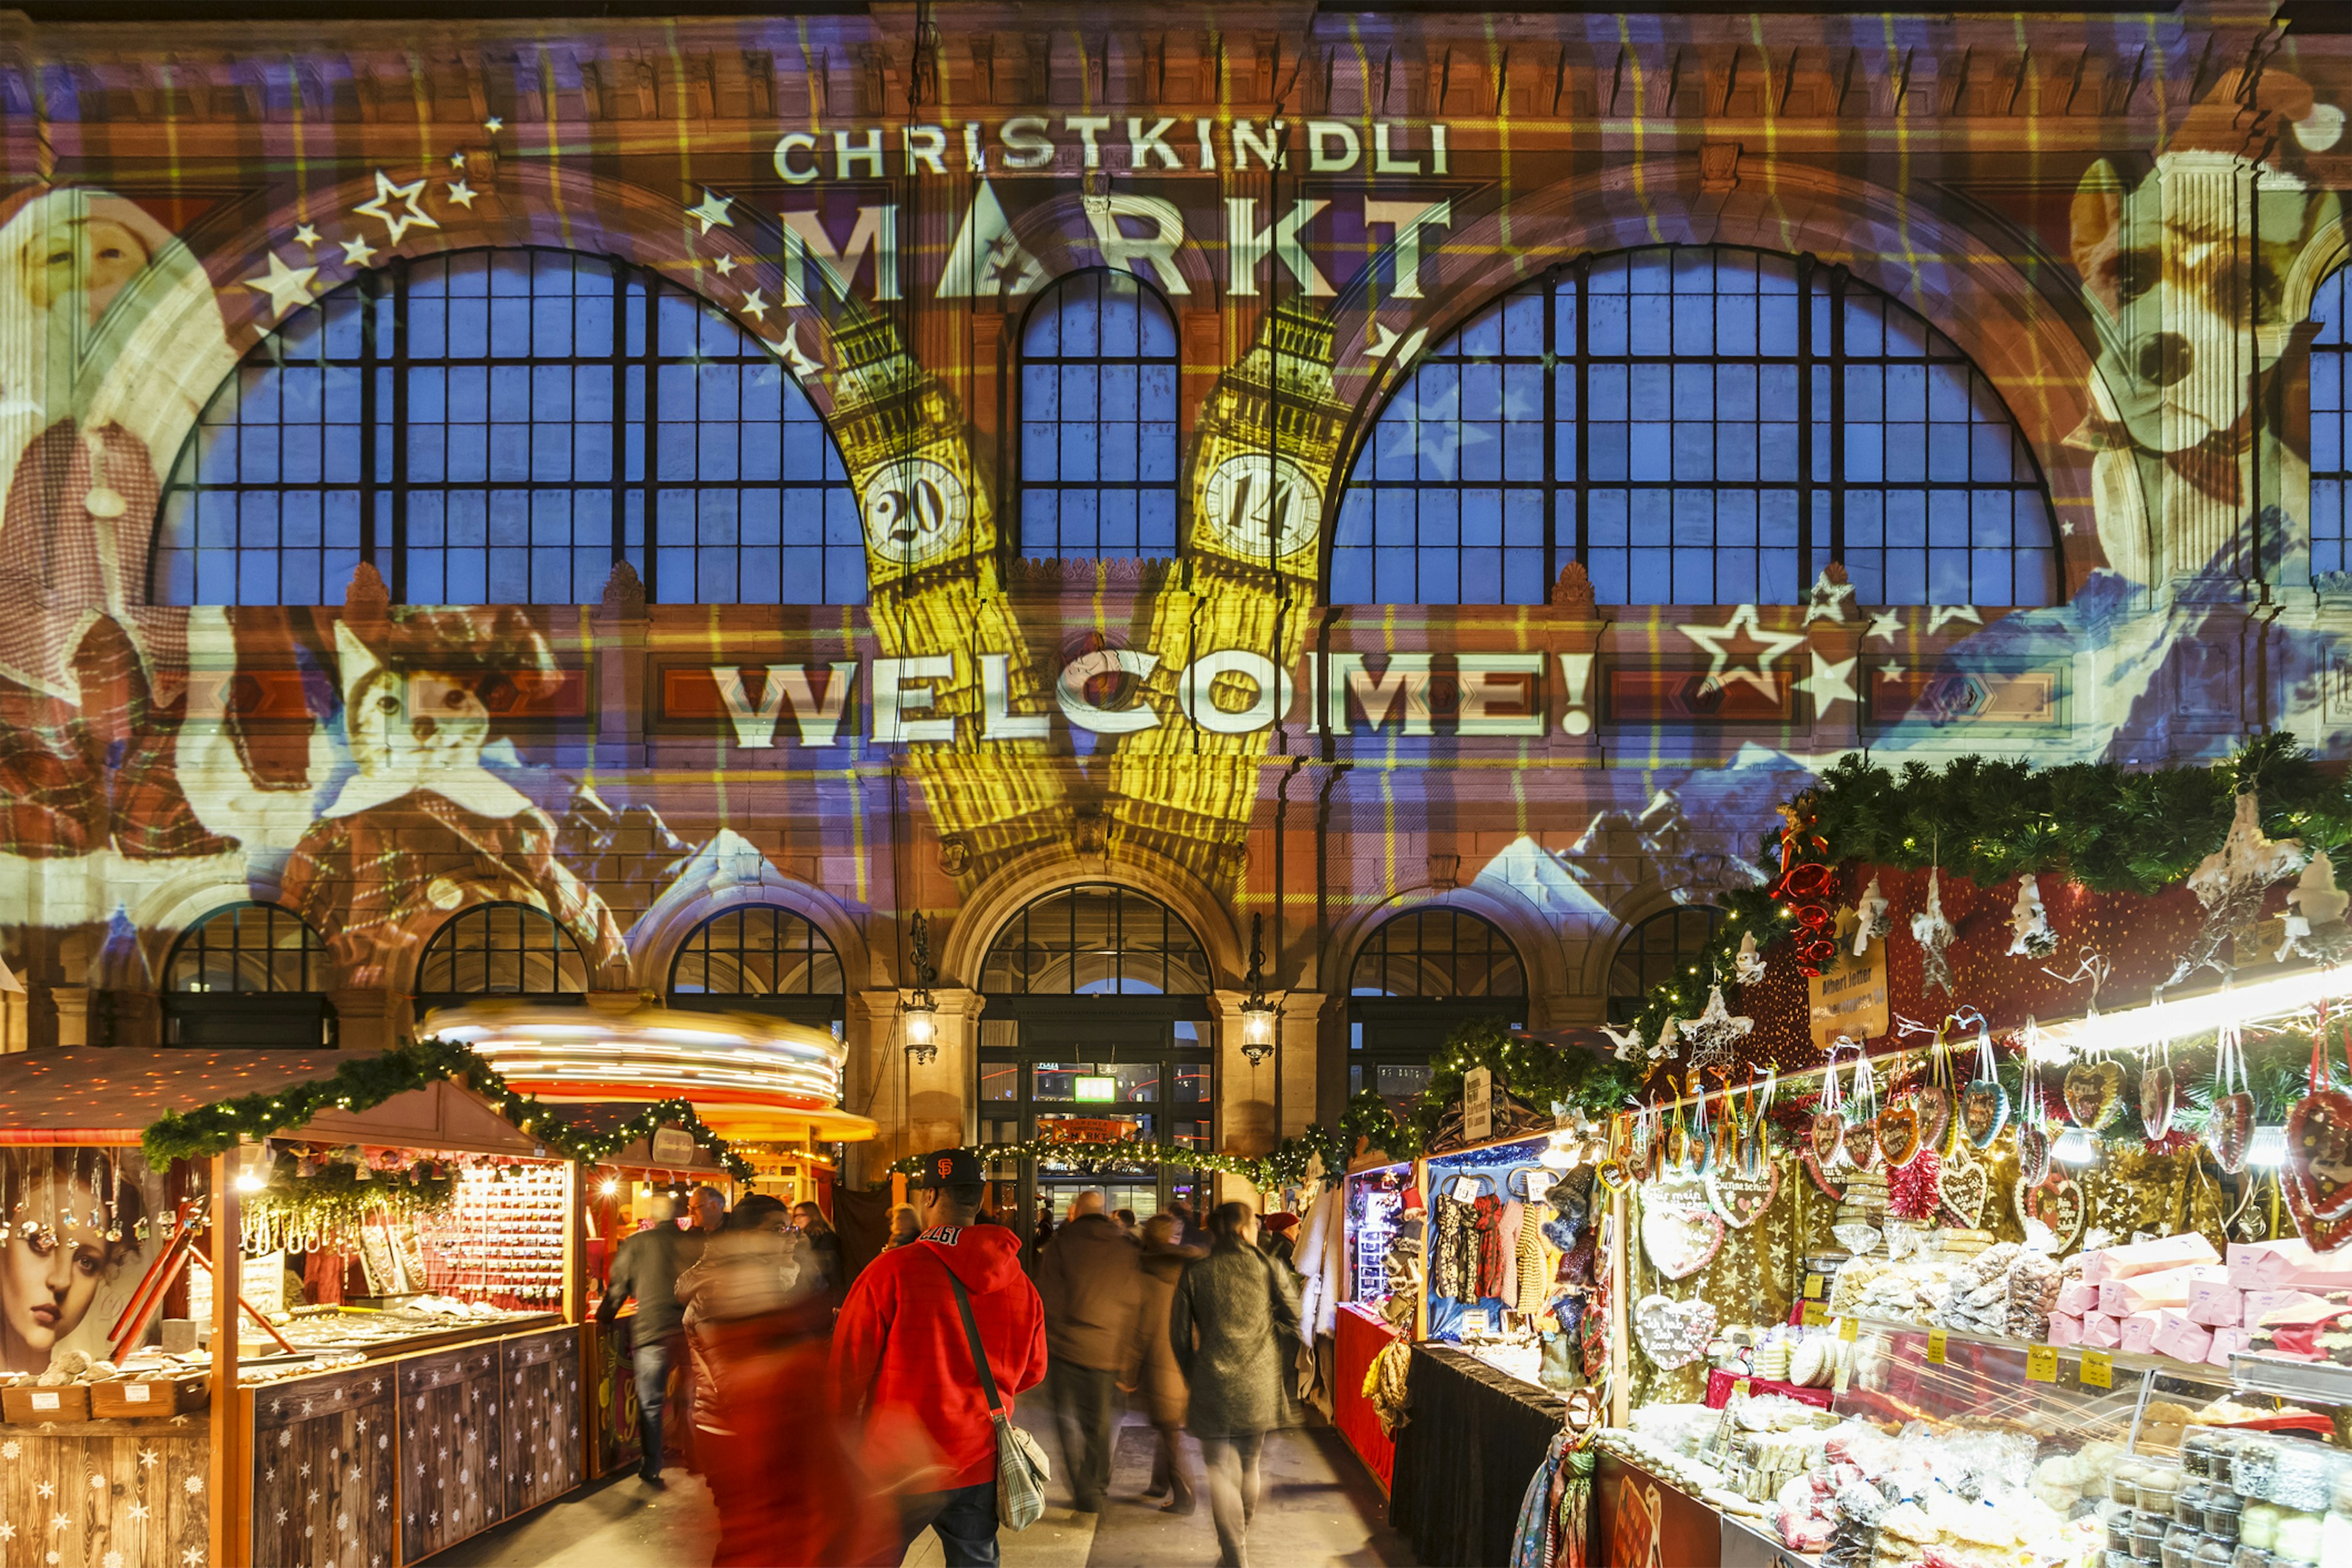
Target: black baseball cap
{"points": [[949, 1168]]}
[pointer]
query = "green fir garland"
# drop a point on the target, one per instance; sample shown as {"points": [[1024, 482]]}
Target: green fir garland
{"points": [[366, 1081]]}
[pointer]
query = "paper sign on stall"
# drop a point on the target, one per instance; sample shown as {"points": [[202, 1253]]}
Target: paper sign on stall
{"points": [[1849, 998], [1477, 1105], [2098, 1370]]}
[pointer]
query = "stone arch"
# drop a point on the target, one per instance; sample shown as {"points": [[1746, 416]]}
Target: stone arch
{"points": [[1531, 936], [710, 888], [1032, 875], [2031, 345], [1646, 900]]}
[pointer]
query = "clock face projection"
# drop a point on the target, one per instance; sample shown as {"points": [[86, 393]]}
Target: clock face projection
{"points": [[1263, 506], [916, 511]]}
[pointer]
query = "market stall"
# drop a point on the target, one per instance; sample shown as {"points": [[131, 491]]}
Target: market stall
{"points": [[349, 1331]]}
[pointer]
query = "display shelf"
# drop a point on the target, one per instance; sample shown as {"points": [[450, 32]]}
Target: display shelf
{"points": [[2308, 1381]]}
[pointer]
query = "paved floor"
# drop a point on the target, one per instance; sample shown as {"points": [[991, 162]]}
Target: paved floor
{"points": [[1317, 1506]]}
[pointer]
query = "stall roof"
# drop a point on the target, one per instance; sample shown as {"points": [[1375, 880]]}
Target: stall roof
{"points": [[91, 1094], [607, 1116]]}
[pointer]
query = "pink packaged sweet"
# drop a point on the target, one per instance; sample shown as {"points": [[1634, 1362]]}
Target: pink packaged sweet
{"points": [[2260, 1304], [2077, 1298], [2065, 1329], [2179, 1338], [2148, 1258], [2226, 1343], [2119, 1298], [2216, 1303], [2101, 1332], [2265, 1265], [2138, 1334]]}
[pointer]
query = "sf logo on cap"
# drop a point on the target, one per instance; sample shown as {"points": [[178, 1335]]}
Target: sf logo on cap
{"points": [[946, 1167]]}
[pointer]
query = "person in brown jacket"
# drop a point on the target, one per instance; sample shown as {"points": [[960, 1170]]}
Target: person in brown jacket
{"points": [[1152, 1370], [1090, 1278]]}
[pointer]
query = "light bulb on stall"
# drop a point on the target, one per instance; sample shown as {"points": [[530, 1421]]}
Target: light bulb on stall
{"points": [[609, 1188], [2075, 1146], [2267, 1148]]}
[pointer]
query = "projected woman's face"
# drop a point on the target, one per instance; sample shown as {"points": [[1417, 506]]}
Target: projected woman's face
{"points": [[92, 256], [48, 1273]]}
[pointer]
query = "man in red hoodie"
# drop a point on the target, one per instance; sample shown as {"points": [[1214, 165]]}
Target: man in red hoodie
{"points": [[902, 1365]]}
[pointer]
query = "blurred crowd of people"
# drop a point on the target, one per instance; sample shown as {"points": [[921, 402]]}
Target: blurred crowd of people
{"points": [[836, 1421]]}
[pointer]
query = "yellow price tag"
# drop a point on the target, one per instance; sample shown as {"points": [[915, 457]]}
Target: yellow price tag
{"points": [[1814, 1285], [1815, 1314], [1849, 1329], [1739, 1389], [2041, 1365], [2098, 1370], [1936, 1339]]}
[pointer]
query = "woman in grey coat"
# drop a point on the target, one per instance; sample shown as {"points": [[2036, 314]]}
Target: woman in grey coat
{"points": [[1231, 1316]]}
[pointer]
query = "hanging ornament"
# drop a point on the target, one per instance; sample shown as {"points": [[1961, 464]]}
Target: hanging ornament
{"points": [[1870, 923], [1935, 935], [2155, 1094], [2030, 933], [1984, 1103], [1825, 1133], [2318, 1179], [1862, 1115], [1915, 1187], [2230, 1127], [2094, 1094], [2315, 914], [1747, 964], [2231, 882], [2032, 1133], [1939, 1098], [1804, 886], [1715, 1034]]}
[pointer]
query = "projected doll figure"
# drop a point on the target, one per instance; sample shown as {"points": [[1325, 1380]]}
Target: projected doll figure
{"points": [[421, 827], [70, 1220], [111, 339]]}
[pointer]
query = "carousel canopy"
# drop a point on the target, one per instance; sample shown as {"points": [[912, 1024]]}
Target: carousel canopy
{"points": [[747, 1076]]}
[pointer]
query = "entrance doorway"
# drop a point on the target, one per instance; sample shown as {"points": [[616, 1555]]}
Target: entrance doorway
{"points": [[1096, 1029]]}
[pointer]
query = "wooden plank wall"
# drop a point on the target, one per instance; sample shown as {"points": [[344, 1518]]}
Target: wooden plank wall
{"points": [[613, 1407], [86, 1495], [325, 1469], [451, 1448], [542, 1448]]}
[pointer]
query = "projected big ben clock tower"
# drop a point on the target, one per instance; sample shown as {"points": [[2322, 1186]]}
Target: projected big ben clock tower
{"points": [[1261, 468]]}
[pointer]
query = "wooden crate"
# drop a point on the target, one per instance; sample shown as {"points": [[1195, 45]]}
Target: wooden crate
{"points": [[27, 1405], [119, 1397]]}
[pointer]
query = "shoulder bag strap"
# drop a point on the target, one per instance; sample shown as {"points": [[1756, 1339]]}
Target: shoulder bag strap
{"points": [[972, 1333]]}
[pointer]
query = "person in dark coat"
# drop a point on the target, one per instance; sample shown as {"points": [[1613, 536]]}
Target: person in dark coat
{"points": [[646, 1269], [1232, 1313], [1153, 1374], [1090, 1278]]}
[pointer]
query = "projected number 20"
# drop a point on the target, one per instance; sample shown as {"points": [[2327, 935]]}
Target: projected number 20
{"points": [[916, 511]]}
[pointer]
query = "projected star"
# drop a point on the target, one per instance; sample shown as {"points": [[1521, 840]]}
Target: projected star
{"points": [[458, 160], [1831, 682], [724, 265], [307, 238], [713, 211], [1766, 645], [1938, 614], [494, 125], [288, 287], [357, 250], [753, 305], [1386, 345], [794, 355], [1887, 623], [411, 216], [463, 194], [1829, 600]]}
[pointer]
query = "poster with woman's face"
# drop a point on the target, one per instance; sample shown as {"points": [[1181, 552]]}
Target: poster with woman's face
{"points": [[76, 1230]]}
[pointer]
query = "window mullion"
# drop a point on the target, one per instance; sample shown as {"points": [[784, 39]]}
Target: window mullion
{"points": [[1583, 374], [1837, 414], [399, 578]]}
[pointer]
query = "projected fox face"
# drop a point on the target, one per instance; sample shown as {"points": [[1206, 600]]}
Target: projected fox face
{"points": [[408, 723]]}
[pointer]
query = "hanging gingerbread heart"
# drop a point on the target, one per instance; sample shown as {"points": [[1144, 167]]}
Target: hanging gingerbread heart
{"points": [[1984, 1111], [1742, 1198], [1612, 1174], [2319, 1167], [1682, 1236], [1900, 1135], [2055, 1202], [1966, 1185], [2230, 1131], [2032, 1154], [2094, 1093], [1862, 1145], [1725, 1155], [1813, 1164], [2156, 1096], [1826, 1131], [1677, 1151], [1937, 1127]]}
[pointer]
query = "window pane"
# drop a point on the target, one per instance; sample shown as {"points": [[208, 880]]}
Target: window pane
{"points": [[1098, 433]]}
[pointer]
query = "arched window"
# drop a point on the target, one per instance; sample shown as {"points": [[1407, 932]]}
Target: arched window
{"points": [[2331, 424], [500, 427], [1418, 978], [247, 975], [1698, 425], [1661, 949], [500, 950], [759, 958], [1098, 444], [1096, 940]]}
